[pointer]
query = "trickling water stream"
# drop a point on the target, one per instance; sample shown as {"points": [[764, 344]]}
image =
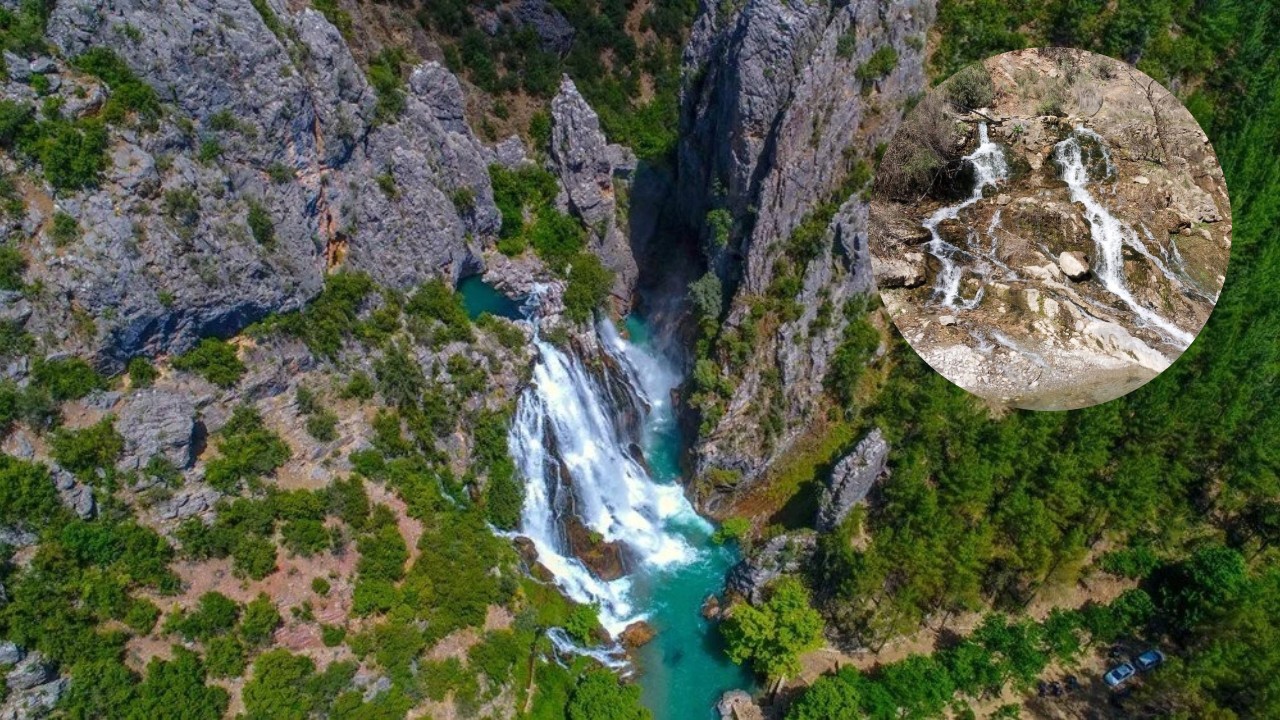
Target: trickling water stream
{"points": [[574, 452], [1110, 234], [989, 168]]}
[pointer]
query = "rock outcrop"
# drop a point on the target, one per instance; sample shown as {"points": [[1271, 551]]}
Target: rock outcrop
{"points": [[775, 120], [272, 116], [593, 172], [851, 480], [738, 705], [156, 423], [782, 555]]}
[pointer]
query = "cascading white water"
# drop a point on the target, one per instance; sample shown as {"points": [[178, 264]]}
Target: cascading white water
{"points": [[1110, 234], [567, 412], [989, 168]]}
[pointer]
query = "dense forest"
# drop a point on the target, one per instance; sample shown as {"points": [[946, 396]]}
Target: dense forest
{"points": [[1174, 485]]}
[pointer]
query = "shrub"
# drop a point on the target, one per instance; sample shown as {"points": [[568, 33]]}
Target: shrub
{"points": [[556, 237], [142, 373], [65, 229], [382, 554], [128, 92], [264, 231], [707, 295], [601, 695], [12, 265], [73, 155], [67, 378], [922, 148], [436, 301], [332, 635], [360, 386], [733, 529], [224, 657], [384, 76], [260, 620], [305, 536], [213, 359], [971, 88], [27, 495], [214, 614], [254, 557], [320, 586], [247, 451], [881, 63], [323, 426], [94, 447], [720, 224], [589, 285]]}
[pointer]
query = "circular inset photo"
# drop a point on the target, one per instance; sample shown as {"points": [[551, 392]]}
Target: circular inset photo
{"points": [[1049, 229]]}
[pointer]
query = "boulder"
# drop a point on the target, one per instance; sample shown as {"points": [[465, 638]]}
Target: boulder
{"points": [[637, 634], [851, 479], [11, 653], [605, 560], [738, 705], [187, 503], [36, 702], [30, 671], [1074, 265], [156, 423]]}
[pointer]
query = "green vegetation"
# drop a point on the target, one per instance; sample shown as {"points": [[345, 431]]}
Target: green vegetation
{"points": [[142, 373], [12, 265], [247, 450], [260, 224], [514, 61], [881, 63], [384, 76], [772, 636], [971, 88], [129, 94], [600, 695], [95, 448], [214, 360], [67, 378]]}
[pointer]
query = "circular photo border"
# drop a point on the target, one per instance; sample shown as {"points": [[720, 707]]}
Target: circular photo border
{"points": [[1049, 228]]}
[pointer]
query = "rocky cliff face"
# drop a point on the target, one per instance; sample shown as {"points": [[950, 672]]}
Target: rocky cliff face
{"points": [[265, 112], [591, 171], [785, 102]]}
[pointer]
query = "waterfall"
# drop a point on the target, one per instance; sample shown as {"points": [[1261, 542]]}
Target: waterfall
{"points": [[1110, 234], [576, 456], [989, 167]]}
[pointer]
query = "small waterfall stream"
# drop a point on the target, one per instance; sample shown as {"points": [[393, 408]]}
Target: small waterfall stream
{"points": [[1110, 234], [989, 168]]}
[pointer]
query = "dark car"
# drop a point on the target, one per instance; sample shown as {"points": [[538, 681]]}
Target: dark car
{"points": [[1118, 674], [1149, 660]]}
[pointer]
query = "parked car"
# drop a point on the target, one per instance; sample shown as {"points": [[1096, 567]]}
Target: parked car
{"points": [[1149, 660], [1118, 674]]}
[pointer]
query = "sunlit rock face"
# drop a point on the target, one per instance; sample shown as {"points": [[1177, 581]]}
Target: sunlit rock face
{"points": [[1070, 238]]}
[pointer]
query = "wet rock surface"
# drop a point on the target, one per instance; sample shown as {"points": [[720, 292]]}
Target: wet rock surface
{"points": [[1087, 264]]}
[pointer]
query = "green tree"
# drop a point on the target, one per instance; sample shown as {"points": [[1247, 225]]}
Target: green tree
{"points": [[772, 637], [601, 695]]}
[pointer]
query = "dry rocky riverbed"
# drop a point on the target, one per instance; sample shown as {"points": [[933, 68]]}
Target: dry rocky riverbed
{"points": [[1074, 237]]}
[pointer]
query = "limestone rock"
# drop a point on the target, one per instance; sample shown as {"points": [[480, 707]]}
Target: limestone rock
{"points": [[738, 705], [588, 168], [851, 480], [33, 703], [1074, 265], [31, 670], [156, 423], [167, 256], [11, 653], [781, 555], [752, 145], [187, 503]]}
